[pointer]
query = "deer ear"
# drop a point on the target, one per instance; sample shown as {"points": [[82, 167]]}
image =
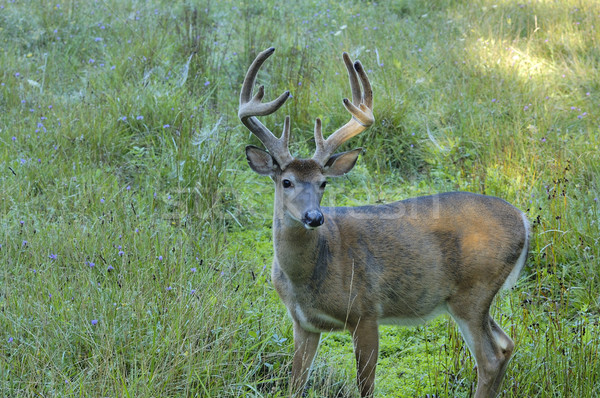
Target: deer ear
{"points": [[341, 163], [261, 161]]}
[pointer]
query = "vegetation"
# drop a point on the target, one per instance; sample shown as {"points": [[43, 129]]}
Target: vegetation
{"points": [[135, 242]]}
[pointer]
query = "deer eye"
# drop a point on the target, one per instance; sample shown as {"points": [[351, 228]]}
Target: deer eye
{"points": [[323, 184], [286, 183]]}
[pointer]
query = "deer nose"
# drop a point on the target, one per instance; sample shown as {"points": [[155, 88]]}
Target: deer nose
{"points": [[313, 218]]}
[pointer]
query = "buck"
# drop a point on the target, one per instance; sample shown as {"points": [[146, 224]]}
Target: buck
{"points": [[357, 268]]}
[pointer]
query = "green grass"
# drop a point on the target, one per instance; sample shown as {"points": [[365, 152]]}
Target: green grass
{"points": [[135, 241]]}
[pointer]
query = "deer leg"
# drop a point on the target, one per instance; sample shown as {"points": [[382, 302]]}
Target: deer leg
{"points": [[506, 346], [366, 348], [305, 348], [492, 350]]}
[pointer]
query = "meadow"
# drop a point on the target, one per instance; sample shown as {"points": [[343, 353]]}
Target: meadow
{"points": [[135, 242]]}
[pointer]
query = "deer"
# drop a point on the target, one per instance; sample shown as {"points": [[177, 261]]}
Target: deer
{"points": [[355, 268]]}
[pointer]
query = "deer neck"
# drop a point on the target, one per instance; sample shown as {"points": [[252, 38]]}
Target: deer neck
{"points": [[297, 249]]}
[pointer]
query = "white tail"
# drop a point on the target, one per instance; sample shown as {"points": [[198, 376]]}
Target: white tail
{"points": [[356, 268]]}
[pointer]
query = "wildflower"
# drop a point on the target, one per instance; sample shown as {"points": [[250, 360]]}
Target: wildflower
{"points": [[10, 339], [160, 258], [90, 264], [110, 268], [193, 269], [140, 117], [121, 252], [53, 256], [169, 288], [206, 83], [101, 200], [166, 126], [94, 322]]}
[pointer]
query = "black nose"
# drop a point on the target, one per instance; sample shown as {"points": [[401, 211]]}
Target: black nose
{"points": [[313, 218]]}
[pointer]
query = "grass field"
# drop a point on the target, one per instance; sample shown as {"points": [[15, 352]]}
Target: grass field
{"points": [[135, 242]]}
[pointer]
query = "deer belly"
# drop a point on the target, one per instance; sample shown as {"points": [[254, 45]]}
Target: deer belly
{"points": [[314, 320], [412, 319]]}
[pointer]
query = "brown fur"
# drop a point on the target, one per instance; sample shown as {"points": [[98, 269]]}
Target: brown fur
{"points": [[355, 268], [408, 260]]}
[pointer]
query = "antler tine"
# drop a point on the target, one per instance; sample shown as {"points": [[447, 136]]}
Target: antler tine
{"points": [[250, 107], [353, 78], [361, 109]]}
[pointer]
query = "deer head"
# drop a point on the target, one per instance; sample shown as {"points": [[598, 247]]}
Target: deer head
{"points": [[300, 182]]}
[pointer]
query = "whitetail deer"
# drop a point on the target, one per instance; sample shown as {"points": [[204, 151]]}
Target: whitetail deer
{"points": [[356, 268]]}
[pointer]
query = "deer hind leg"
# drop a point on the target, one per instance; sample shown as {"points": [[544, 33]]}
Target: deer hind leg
{"points": [[305, 348], [492, 350]]}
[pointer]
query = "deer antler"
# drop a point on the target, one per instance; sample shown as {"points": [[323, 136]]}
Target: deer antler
{"points": [[361, 109], [250, 107]]}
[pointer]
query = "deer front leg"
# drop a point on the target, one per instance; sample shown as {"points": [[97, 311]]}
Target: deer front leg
{"points": [[305, 348], [366, 348]]}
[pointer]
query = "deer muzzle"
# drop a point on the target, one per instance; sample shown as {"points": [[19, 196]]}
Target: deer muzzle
{"points": [[313, 219]]}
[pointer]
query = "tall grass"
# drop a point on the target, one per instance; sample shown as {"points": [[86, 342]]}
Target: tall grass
{"points": [[135, 243]]}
